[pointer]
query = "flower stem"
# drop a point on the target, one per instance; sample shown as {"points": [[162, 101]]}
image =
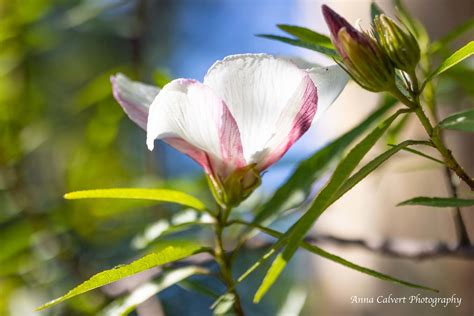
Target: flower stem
{"points": [[435, 137], [223, 261]]}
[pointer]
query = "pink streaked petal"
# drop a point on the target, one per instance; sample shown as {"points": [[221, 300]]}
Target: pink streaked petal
{"points": [[231, 144], [301, 123], [189, 116], [198, 155], [134, 97]]}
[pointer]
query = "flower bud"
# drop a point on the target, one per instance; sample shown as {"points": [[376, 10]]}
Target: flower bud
{"points": [[236, 187], [401, 46], [362, 57]]}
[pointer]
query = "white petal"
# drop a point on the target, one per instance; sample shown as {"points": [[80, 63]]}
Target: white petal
{"points": [[330, 81], [263, 94], [134, 97], [189, 111]]}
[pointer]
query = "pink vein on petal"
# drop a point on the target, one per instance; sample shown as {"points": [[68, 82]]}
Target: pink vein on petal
{"points": [[198, 155], [301, 123], [231, 144]]}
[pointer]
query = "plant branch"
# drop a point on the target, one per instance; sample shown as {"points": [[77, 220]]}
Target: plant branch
{"points": [[434, 135], [460, 227], [223, 261]]}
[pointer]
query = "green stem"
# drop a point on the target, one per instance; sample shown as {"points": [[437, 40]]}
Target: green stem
{"points": [[223, 261], [435, 137]]}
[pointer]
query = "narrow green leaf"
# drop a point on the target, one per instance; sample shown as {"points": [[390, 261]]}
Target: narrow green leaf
{"points": [[296, 233], [452, 35], [125, 305], [320, 252], [463, 121], [160, 195], [371, 166], [300, 43], [375, 10], [167, 252], [297, 188], [419, 153], [438, 202], [307, 35], [457, 57]]}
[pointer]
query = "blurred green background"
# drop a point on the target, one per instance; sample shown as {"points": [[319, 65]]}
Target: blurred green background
{"points": [[61, 130]]}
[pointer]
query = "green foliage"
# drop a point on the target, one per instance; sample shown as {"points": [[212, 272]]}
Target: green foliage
{"points": [[323, 253], [458, 56], [438, 202], [139, 194], [296, 233], [167, 252], [305, 38], [307, 35], [127, 304], [451, 36], [298, 186], [463, 121]]}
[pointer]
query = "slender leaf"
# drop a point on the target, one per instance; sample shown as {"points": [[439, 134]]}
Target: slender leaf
{"points": [[419, 153], [296, 233], [438, 202], [369, 167], [463, 121], [300, 43], [307, 35], [320, 252], [167, 252], [160, 195], [298, 186], [452, 35], [126, 305], [457, 57]]}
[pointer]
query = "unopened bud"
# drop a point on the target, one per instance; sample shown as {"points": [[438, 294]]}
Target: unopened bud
{"points": [[236, 187], [401, 46], [361, 55]]}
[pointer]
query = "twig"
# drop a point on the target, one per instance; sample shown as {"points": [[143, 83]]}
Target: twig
{"points": [[403, 249]]}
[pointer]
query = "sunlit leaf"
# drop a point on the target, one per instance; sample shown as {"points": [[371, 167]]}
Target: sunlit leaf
{"points": [[300, 43], [457, 57], [463, 121], [296, 233], [167, 252], [160, 195], [126, 305], [297, 188], [320, 252], [438, 202]]}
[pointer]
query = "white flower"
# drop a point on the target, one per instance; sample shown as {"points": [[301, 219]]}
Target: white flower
{"points": [[245, 115]]}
